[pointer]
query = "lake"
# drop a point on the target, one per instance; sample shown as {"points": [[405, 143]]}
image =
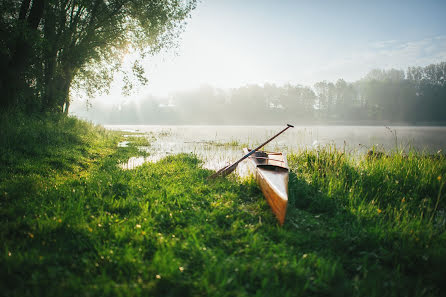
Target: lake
{"points": [[219, 145]]}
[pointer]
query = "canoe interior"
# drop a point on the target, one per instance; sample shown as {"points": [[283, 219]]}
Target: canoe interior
{"points": [[264, 159], [271, 171]]}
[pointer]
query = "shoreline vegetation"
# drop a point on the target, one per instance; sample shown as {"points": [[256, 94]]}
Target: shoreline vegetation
{"points": [[74, 223], [302, 124]]}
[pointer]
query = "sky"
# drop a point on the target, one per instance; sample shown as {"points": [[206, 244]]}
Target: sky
{"points": [[230, 43]]}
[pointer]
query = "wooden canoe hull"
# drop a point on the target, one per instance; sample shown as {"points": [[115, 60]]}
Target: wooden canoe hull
{"points": [[271, 174]]}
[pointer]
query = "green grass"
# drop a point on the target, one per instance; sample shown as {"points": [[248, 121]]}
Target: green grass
{"points": [[383, 218], [74, 223]]}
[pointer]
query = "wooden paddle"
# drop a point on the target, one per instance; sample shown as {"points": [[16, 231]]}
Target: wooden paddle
{"points": [[230, 168]]}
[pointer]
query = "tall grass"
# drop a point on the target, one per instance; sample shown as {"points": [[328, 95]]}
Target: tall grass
{"points": [[49, 144], [384, 214], [368, 227]]}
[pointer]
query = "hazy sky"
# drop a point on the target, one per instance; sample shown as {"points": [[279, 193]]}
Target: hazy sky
{"points": [[229, 43]]}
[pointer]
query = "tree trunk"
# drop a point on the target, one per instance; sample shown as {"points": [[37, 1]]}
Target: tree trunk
{"points": [[14, 82], [49, 59], [58, 91], [35, 15], [24, 9], [66, 106], [64, 99]]}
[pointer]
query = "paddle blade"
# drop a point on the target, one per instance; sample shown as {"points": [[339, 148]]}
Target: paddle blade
{"points": [[224, 171]]}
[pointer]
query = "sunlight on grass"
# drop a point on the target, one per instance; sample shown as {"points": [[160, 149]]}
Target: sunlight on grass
{"points": [[367, 226]]}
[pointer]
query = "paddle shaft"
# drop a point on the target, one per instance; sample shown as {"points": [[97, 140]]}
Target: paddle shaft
{"points": [[262, 145], [232, 167]]}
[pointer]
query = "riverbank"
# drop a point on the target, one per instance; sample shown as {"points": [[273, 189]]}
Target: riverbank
{"points": [[74, 223]]}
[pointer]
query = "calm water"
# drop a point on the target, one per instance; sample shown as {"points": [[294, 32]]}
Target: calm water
{"points": [[219, 145]]}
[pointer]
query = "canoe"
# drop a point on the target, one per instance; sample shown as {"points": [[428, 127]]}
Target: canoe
{"points": [[271, 173]]}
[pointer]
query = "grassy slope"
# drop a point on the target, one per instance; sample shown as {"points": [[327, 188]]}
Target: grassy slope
{"points": [[73, 223]]}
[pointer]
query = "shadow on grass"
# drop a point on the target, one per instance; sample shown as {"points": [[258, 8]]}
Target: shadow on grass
{"points": [[54, 257]]}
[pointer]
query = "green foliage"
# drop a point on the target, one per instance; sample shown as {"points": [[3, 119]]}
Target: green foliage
{"points": [[353, 228], [51, 46]]}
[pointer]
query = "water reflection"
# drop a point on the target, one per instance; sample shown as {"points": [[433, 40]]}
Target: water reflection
{"points": [[123, 144]]}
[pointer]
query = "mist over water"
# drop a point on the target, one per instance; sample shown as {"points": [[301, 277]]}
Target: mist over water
{"points": [[428, 138], [218, 146]]}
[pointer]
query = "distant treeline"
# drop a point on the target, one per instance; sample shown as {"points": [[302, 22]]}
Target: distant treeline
{"points": [[415, 96]]}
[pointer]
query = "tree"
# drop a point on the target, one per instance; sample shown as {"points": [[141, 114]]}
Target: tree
{"points": [[298, 101], [326, 98], [63, 44]]}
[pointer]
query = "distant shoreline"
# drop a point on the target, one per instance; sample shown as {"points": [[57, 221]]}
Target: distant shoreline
{"points": [[377, 124]]}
